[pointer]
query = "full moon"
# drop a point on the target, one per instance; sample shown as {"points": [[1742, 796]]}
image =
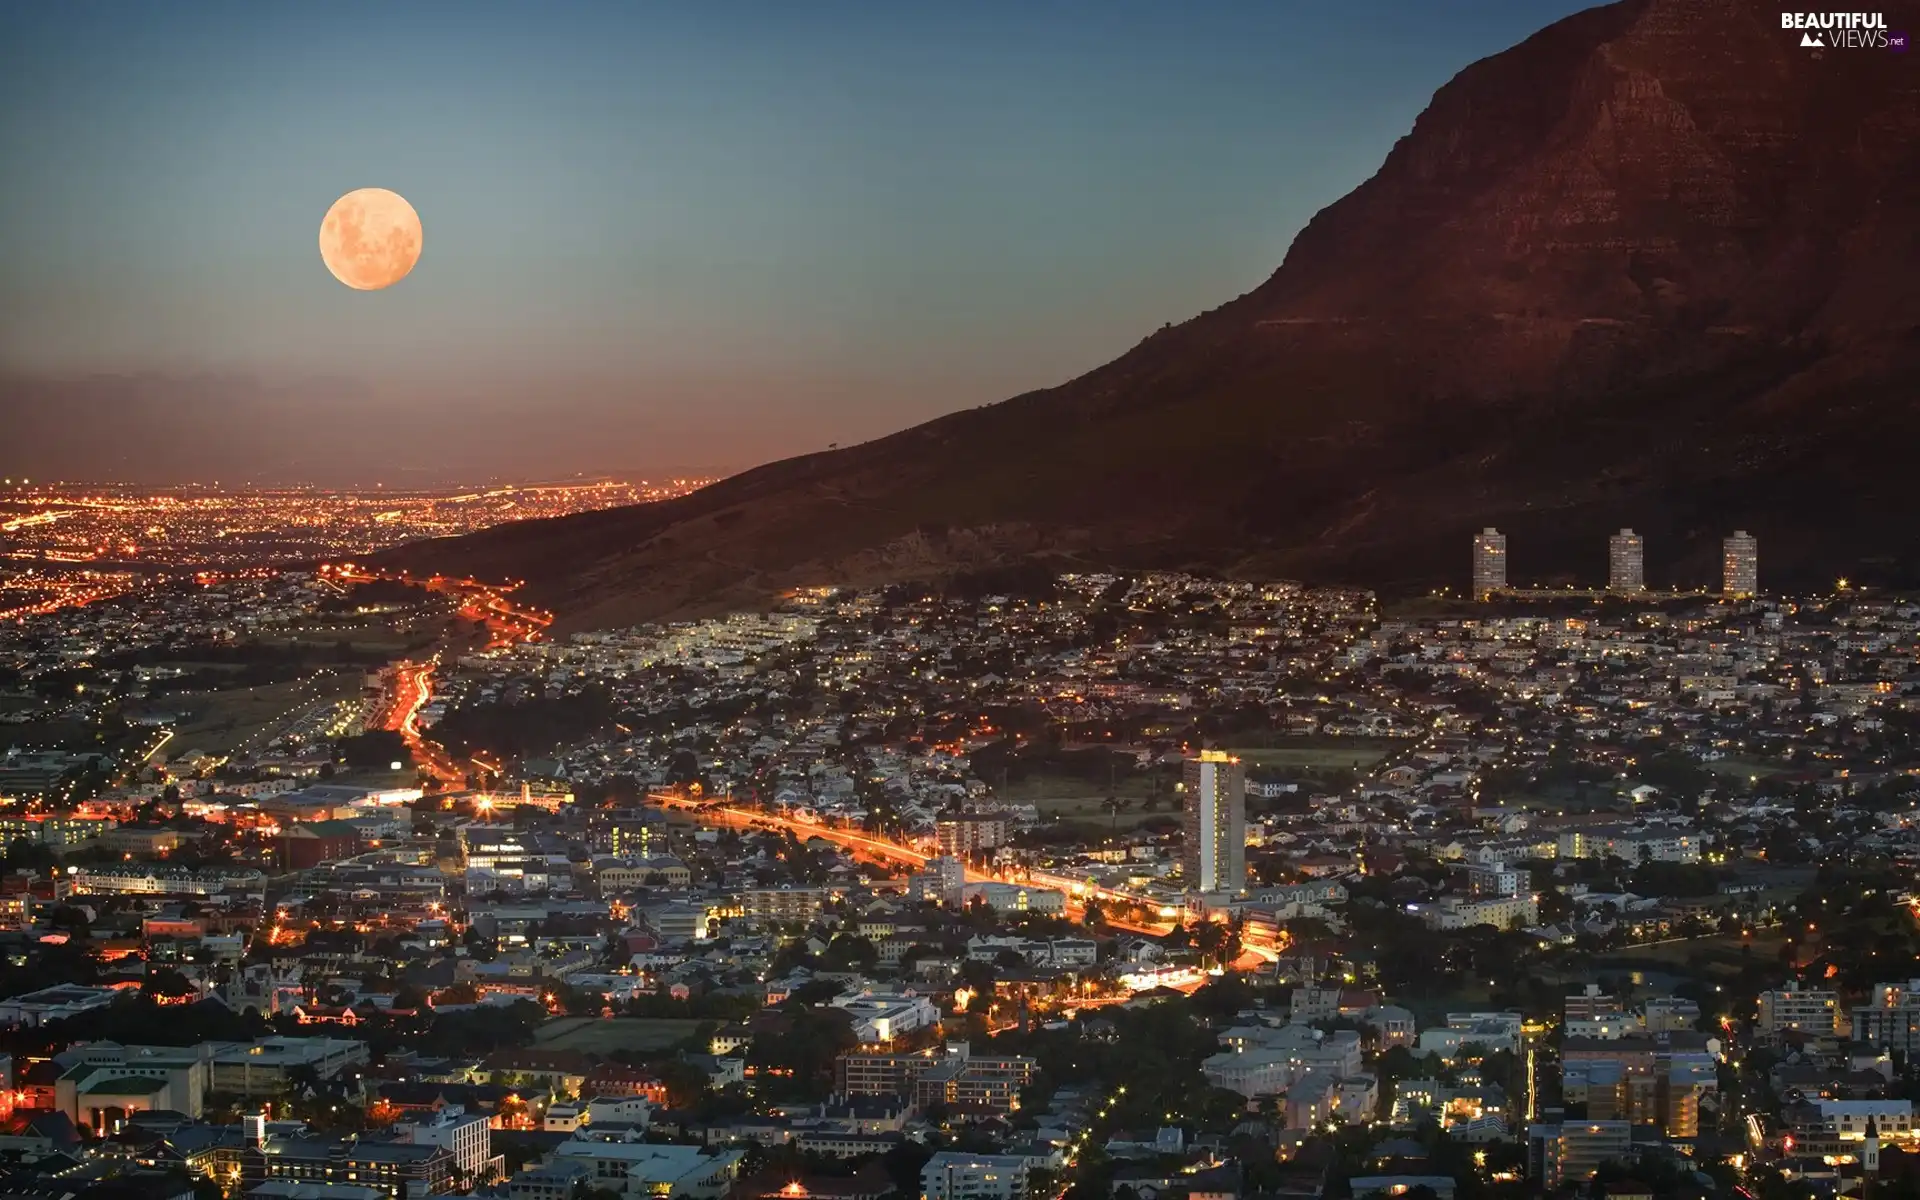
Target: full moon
{"points": [[370, 239]]}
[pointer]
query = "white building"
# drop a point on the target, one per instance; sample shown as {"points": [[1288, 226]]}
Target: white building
{"points": [[1847, 1119], [54, 1003], [942, 881], [467, 1136], [1631, 845], [1253, 1073], [1489, 563], [1626, 562], [955, 1176], [1214, 856], [1796, 1009], [1014, 897], [1502, 912], [881, 1016], [1740, 565], [138, 880], [654, 1169]]}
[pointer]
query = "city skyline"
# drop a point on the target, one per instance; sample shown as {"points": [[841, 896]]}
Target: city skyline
{"points": [[863, 602]]}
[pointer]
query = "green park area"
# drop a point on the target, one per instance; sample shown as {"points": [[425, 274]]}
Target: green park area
{"points": [[1137, 798], [1310, 755], [599, 1036], [222, 722]]}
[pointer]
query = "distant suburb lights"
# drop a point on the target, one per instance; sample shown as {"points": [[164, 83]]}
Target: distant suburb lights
{"points": [[370, 239]]}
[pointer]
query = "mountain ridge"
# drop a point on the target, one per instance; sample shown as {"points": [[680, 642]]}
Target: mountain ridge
{"points": [[1651, 266]]}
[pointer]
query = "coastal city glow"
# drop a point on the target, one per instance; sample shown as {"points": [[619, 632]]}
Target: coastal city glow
{"points": [[1006, 601]]}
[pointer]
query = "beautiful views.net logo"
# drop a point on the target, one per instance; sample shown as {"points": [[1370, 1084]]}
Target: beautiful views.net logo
{"points": [[1844, 30]]}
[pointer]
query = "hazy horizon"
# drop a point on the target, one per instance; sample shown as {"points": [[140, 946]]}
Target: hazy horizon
{"points": [[656, 241]]}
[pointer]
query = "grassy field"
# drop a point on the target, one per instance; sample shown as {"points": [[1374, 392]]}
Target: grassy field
{"points": [[595, 1035], [223, 721], [1066, 797], [80, 737], [1744, 768], [371, 638], [1708, 956], [1070, 798], [1319, 753]]}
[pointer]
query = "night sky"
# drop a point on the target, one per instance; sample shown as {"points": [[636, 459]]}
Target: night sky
{"points": [[659, 236]]}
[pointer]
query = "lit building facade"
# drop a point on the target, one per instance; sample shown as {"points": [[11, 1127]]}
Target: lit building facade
{"points": [[1626, 562], [968, 834], [950, 1175], [1814, 1011], [1574, 1150], [1489, 563], [1740, 565], [1214, 857], [1890, 1018]]}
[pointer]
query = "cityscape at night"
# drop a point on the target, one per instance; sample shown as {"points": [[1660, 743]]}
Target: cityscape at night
{"points": [[539, 660]]}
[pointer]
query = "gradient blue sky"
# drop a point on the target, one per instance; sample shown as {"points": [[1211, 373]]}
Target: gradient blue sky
{"points": [[663, 235]]}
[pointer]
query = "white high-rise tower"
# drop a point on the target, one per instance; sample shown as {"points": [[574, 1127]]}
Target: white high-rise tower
{"points": [[1740, 565], [1626, 562], [1489, 563], [1214, 858]]}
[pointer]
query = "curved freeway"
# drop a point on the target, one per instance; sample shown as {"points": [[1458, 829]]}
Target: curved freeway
{"points": [[411, 685], [892, 851]]}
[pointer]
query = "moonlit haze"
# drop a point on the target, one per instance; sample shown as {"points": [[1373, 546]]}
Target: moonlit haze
{"points": [[668, 238]]}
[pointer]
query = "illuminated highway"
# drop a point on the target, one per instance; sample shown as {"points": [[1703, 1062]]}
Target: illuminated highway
{"points": [[1077, 893], [410, 686], [56, 594]]}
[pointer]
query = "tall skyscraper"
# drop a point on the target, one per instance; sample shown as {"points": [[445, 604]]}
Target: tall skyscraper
{"points": [[1215, 856], [1489, 563], [1626, 562], [1740, 565]]}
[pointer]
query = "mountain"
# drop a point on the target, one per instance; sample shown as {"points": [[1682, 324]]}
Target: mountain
{"points": [[1653, 266]]}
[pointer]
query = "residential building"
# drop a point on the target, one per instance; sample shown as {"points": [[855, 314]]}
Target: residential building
{"points": [[953, 1175], [55, 831], [1671, 1014], [1797, 1009], [627, 833], [1631, 845], [1214, 856], [1458, 912], [1848, 1120], [941, 881], [466, 1136], [957, 1076], [1890, 1018], [1740, 565], [1626, 562], [782, 905], [654, 1169], [1489, 563], [1572, 1151], [966, 835], [1495, 879]]}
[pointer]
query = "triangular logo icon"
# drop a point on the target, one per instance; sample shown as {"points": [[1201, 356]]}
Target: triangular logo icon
{"points": [[1808, 39]]}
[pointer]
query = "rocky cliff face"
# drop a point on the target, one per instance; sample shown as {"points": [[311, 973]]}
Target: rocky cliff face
{"points": [[1654, 266]]}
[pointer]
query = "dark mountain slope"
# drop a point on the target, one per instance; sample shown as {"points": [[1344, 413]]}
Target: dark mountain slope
{"points": [[1653, 266]]}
